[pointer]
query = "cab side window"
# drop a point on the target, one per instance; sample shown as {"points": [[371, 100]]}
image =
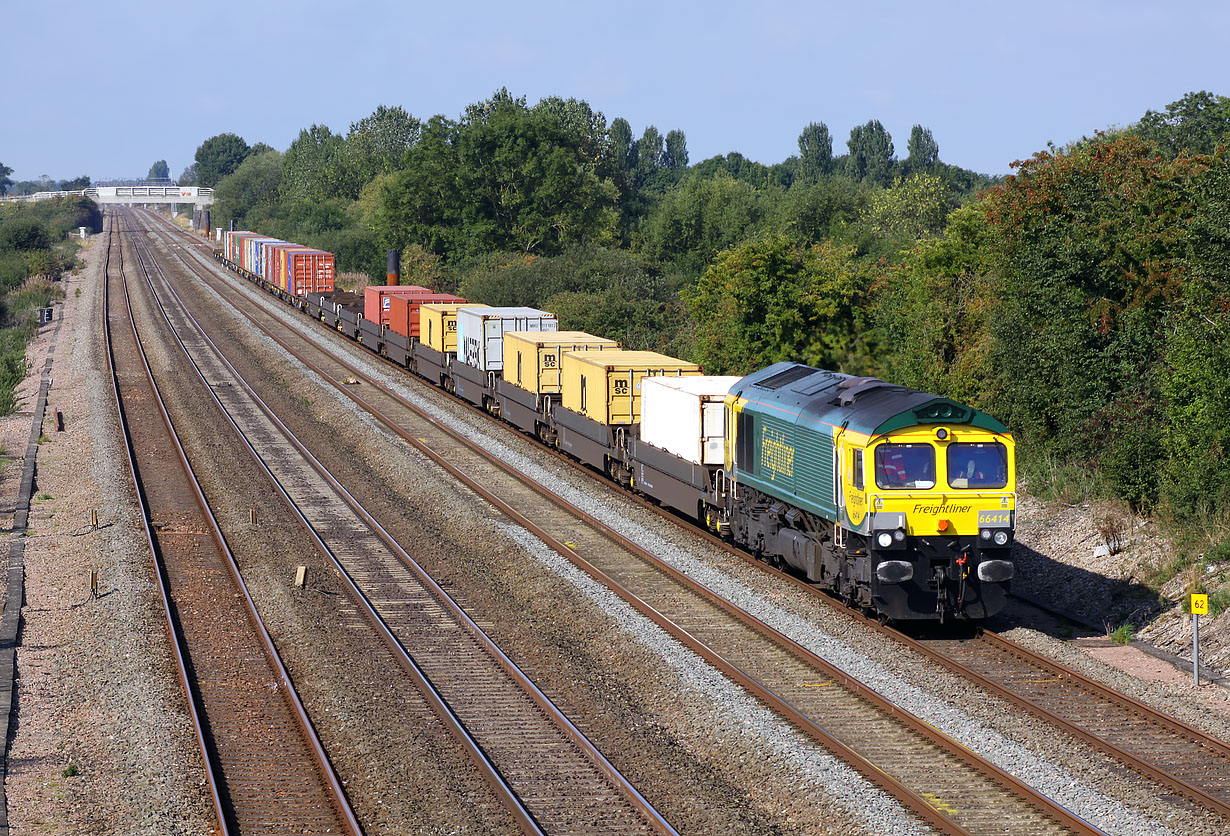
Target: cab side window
{"points": [[745, 442], [857, 466]]}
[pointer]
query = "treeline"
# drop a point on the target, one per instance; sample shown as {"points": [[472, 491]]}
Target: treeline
{"points": [[43, 184], [35, 251], [549, 204], [1084, 299]]}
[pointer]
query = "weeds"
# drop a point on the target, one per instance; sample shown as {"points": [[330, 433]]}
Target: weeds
{"points": [[70, 771], [1114, 527], [1123, 634]]}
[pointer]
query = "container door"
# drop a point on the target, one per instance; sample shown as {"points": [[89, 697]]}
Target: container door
{"points": [[713, 426]]}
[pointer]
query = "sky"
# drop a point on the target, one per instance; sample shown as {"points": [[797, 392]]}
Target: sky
{"points": [[107, 89]]}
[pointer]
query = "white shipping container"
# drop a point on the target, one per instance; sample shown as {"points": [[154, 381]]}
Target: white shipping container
{"points": [[480, 332], [686, 416]]}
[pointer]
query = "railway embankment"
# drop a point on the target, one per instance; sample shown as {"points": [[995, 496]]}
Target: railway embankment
{"points": [[1096, 560]]}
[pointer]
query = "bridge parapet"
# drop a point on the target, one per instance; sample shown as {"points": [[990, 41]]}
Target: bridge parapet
{"points": [[196, 195]]}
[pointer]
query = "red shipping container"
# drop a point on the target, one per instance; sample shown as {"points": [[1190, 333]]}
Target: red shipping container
{"points": [[376, 299], [404, 310], [307, 271]]}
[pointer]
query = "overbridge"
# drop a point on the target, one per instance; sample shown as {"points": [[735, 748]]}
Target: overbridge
{"points": [[135, 195]]}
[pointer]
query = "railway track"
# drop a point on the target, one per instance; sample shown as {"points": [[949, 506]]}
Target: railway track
{"points": [[1181, 758], [267, 771], [547, 773], [943, 783]]}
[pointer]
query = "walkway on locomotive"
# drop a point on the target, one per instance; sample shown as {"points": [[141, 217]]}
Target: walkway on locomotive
{"points": [[908, 459]]}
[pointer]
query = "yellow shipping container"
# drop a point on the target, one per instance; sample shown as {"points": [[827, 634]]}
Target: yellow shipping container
{"points": [[605, 386], [438, 324], [532, 358]]}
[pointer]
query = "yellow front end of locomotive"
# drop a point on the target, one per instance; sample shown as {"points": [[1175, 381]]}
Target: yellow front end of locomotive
{"points": [[930, 481]]}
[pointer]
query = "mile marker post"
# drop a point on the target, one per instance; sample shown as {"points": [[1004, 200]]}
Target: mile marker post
{"points": [[1200, 606]]}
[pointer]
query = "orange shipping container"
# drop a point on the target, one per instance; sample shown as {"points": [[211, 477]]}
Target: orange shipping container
{"points": [[376, 299], [404, 311]]}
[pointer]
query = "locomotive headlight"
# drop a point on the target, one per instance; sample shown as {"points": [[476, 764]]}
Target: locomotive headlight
{"points": [[1000, 537], [884, 539], [899, 536], [985, 534]]}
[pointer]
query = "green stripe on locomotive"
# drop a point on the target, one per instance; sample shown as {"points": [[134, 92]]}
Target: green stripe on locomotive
{"points": [[789, 413]]}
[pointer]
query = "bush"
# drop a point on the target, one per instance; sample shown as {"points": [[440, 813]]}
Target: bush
{"points": [[24, 235]]}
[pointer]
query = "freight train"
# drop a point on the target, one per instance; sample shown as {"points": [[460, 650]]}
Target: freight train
{"points": [[901, 503]]}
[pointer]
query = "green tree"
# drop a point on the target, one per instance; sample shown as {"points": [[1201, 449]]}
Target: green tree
{"points": [[916, 206], [255, 184], [1092, 243], [923, 149], [313, 167], [934, 308], [824, 209], [815, 151], [5, 182], [1195, 124], [1196, 373], [701, 217], [505, 178], [74, 185], [187, 177], [376, 145], [159, 171], [217, 157], [577, 117], [623, 147], [770, 299], [675, 156], [649, 153], [871, 154]]}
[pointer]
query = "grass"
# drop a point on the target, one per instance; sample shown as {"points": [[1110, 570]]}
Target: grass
{"points": [[1123, 634], [1047, 477], [70, 771], [44, 496], [1219, 602], [351, 281]]}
